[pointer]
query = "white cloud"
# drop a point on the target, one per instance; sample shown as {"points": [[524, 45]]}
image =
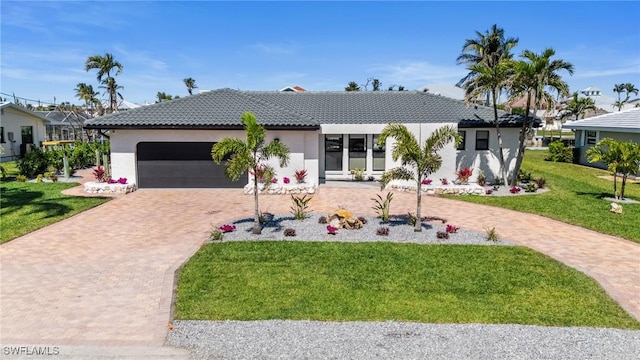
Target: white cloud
{"points": [[140, 59]]}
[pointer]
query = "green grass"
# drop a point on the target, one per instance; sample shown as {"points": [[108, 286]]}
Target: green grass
{"points": [[26, 207], [385, 281], [575, 197]]}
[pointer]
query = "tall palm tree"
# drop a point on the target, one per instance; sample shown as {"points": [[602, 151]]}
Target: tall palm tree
{"points": [[190, 83], [488, 49], [423, 161], [535, 77], [491, 80], [105, 65], [85, 92], [627, 88], [251, 154], [488, 58], [112, 88]]}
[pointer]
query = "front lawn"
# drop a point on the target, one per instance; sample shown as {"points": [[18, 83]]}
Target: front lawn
{"points": [[576, 197], [333, 281], [26, 207]]}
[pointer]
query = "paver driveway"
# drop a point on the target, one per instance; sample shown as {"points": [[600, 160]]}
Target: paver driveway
{"points": [[105, 276]]}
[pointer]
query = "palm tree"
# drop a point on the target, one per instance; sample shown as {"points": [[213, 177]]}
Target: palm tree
{"points": [[352, 86], [627, 88], [190, 83], [105, 65], [533, 76], [112, 88], [491, 80], [489, 49], [575, 108], [621, 158], [251, 154], [424, 161], [85, 92]]}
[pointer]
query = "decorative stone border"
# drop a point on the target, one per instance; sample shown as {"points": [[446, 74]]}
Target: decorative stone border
{"points": [[282, 189], [106, 188], [468, 189]]}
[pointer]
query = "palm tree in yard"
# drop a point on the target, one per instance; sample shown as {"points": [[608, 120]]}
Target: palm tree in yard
{"points": [[534, 77], [250, 155], [621, 158], [190, 83], [489, 68], [105, 65], [423, 160], [488, 49]]}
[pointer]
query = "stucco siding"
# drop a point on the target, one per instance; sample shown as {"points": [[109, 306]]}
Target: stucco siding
{"points": [[11, 120], [488, 160], [124, 144]]}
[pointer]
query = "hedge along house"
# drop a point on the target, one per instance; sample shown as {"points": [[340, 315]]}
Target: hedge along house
{"points": [[329, 133], [622, 126]]}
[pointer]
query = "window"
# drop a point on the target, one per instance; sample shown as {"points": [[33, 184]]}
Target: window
{"points": [[357, 151], [2, 134], [333, 152], [379, 154], [27, 134], [463, 143], [591, 137], [482, 140]]}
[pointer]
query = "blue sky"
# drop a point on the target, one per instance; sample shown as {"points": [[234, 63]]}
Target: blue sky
{"points": [[317, 45]]}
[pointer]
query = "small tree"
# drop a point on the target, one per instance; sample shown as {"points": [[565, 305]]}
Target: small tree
{"points": [[251, 154], [424, 161], [621, 158]]}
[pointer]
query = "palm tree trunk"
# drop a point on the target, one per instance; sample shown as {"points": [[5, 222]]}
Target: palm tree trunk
{"points": [[615, 184], [624, 182], [522, 143], [257, 229], [503, 170], [418, 226]]}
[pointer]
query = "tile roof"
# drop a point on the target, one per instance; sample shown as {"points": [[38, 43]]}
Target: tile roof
{"points": [[621, 121], [223, 108]]}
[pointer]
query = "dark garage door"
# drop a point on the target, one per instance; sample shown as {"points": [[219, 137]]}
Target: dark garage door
{"points": [[181, 165]]}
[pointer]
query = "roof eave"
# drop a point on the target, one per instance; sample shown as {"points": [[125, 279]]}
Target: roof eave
{"points": [[198, 127]]}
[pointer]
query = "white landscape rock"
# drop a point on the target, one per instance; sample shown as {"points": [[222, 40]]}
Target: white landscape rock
{"points": [[106, 188], [282, 189]]}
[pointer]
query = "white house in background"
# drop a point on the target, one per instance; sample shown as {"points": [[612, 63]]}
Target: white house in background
{"points": [[169, 144], [621, 125], [293, 88], [19, 130]]}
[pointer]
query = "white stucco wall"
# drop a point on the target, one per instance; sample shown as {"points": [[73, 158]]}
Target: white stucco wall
{"points": [[451, 158], [11, 120], [124, 143], [488, 160]]}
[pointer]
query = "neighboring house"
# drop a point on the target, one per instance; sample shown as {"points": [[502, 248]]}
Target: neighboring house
{"points": [[292, 88], [20, 129], [622, 125], [329, 133]]}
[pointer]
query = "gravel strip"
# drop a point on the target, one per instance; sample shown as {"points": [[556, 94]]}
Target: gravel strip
{"points": [[310, 230], [279, 339]]}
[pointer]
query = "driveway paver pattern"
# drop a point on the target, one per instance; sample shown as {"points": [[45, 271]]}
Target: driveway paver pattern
{"points": [[106, 276]]}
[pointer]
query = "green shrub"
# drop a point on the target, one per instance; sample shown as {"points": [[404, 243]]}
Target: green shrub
{"points": [[32, 163], [21, 178], [558, 152]]}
